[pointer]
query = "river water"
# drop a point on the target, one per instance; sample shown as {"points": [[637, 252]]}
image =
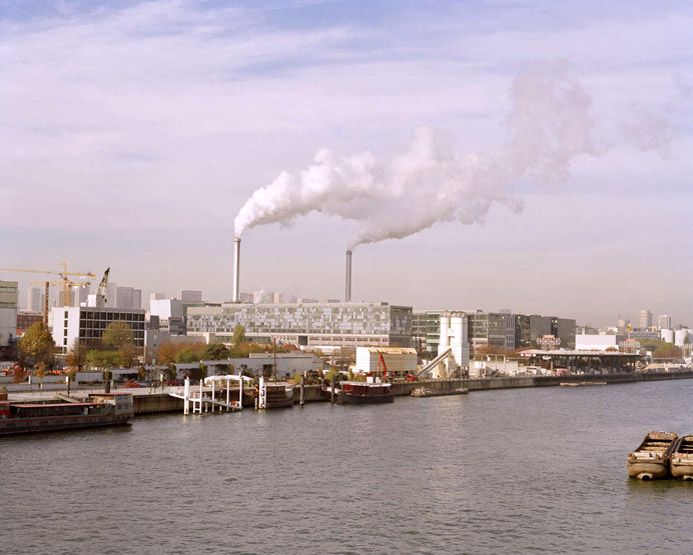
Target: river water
{"points": [[539, 469]]}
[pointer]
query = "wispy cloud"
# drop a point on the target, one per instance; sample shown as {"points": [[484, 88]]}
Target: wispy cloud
{"points": [[164, 114]]}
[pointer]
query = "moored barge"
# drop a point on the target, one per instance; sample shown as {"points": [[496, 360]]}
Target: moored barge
{"points": [[103, 409], [682, 458], [365, 393], [651, 459], [425, 392]]}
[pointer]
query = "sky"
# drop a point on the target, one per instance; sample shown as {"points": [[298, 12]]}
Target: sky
{"points": [[133, 133]]}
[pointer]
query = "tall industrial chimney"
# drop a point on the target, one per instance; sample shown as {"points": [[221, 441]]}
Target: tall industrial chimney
{"points": [[347, 293], [236, 269]]}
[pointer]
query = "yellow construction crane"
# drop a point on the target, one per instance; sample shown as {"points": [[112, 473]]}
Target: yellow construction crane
{"points": [[65, 283]]}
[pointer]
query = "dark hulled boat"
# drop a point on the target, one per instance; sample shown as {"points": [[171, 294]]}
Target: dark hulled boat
{"points": [[364, 393]]}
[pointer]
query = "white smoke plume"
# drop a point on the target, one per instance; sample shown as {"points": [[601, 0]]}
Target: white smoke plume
{"points": [[549, 126]]}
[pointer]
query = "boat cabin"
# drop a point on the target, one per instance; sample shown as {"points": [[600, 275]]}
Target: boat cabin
{"points": [[122, 401]]}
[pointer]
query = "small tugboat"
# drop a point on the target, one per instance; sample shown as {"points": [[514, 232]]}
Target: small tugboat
{"points": [[373, 390], [274, 395], [425, 392], [103, 409], [682, 458], [651, 459]]}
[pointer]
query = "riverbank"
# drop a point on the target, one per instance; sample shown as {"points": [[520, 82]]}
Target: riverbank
{"points": [[154, 402]]}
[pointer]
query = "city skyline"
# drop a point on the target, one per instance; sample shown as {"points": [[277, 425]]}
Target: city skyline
{"points": [[134, 135]]}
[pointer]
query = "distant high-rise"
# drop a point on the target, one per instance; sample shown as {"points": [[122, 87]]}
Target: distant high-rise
{"points": [[645, 320], [79, 295], [190, 296], [664, 321], [34, 299]]}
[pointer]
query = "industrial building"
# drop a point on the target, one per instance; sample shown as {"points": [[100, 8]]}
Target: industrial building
{"points": [[425, 331], [258, 364], [454, 335], [494, 330], [399, 361], [8, 312], [87, 324], [309, 324]]}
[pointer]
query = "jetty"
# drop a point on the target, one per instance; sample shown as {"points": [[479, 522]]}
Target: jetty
{"points": [[204, 398]]}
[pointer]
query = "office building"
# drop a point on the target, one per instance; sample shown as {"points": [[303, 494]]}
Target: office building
{"points": [[311, 324], [9, 295], [87, 324], [645, 320], [664, 322], [34, 299]]}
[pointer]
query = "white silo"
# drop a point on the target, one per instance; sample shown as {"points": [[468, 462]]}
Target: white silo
{"points": [[459, 339]]}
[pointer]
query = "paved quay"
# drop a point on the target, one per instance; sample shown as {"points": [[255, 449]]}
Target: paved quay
{"points": [[157, 400]]}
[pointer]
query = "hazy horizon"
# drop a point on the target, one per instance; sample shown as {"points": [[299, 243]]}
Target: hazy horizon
{"points": [[529, 157]]}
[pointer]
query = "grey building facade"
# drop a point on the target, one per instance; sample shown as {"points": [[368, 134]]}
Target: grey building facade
{"points": [[309, 324]]}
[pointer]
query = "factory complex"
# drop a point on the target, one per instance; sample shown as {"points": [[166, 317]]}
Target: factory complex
{"points": [[460, 341]]}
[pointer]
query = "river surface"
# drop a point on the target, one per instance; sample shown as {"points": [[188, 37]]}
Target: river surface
{"points": [[540, 469]]}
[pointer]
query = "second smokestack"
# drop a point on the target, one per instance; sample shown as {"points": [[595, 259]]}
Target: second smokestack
{"points": [[236, 269], [347, 293]]}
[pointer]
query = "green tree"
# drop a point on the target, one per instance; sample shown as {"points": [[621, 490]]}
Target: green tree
{"points": [[238, 335], [40, 372], [191, 354], [118, 336], [77, 356], [103, 359], [117, 333], [216, 351], [667, 350], [37, 345]]}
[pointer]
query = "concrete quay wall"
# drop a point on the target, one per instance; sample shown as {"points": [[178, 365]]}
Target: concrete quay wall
{"points": [[155, 403], [161, 402]]}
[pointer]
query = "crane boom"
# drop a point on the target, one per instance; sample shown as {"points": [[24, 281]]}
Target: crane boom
{"points": [[65, 283], [101, 293]]}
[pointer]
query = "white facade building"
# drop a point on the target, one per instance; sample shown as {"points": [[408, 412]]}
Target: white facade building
{"points": [[87, 324], [681, 335], [667, 335], [9, 295], [589, 342]]}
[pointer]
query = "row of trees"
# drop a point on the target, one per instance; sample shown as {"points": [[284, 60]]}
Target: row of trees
{"points": [[116, 347], [171, 353]]}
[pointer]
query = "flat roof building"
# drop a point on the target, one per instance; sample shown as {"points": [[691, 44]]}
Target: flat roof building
{"points": [[8, 312], [87, 324], [309, 324]]}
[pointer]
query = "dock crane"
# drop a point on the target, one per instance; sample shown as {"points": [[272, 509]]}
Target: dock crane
{"points": [[64, 282]]}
